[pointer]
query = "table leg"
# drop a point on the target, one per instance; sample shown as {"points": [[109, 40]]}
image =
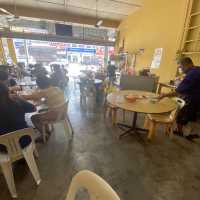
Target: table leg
{"points": [[131, 129], [134, 121]]}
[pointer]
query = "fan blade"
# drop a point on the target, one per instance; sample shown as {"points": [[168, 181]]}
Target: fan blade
{"points": [[6, 12]]}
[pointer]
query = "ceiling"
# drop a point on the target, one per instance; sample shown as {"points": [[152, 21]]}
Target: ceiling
{"points": [[78, 11]]}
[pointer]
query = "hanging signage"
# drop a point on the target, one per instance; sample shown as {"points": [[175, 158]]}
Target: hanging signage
{"points": [[81, 50], [100, 51]]}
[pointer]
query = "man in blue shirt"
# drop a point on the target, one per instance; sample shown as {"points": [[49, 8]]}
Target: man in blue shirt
{"points": [[189, 89]]}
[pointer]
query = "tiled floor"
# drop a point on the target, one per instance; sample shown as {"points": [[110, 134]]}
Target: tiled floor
{"points": [[161, 170]]}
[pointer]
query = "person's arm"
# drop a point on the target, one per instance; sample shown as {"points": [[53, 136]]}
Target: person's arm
{"points": [[35, 96], [184, 87], [170, 94], [27, 107]]}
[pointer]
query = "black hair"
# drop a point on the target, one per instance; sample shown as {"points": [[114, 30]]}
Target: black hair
{"points": [[4, 95], [43, 82], [3, 76], [38, 65], [185, 60], [56, 67], [12, 82]]}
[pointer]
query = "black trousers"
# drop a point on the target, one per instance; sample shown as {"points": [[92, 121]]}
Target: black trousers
{"points": [[189, 113]]}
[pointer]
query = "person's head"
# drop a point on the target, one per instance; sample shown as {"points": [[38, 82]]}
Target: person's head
{"points": [[3, 77], [43, 82], [185, 64], [38, 65], [109, 62], [12, 82], [4, 94], [56, 68], [31, 66]]}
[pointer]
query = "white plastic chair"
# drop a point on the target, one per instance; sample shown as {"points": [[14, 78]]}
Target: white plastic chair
{"points": [[62, 117], [14, 153], [97, 188], [152, 120]]}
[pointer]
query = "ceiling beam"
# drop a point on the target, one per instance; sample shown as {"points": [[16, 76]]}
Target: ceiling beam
{"points": [[64, 16], [55, 38], [94, 9], [127, 3], [116, 1]]}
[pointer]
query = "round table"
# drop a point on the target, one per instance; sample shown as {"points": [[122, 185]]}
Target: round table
{"points": [[142, 105]]}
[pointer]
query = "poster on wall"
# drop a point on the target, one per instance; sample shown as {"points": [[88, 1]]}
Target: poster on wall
{"points": [[157, 58]]}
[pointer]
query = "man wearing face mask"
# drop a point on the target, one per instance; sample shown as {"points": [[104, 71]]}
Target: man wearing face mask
{"points": [[189, 89]]}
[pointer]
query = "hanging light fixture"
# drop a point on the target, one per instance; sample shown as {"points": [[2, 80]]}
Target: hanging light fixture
{"points": [[99, 22]]}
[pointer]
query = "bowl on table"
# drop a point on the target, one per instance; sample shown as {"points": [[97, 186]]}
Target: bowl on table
{"points": [[131, 98]]}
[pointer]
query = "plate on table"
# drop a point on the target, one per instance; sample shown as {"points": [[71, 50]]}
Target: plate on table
{"points": [[131, 98]]}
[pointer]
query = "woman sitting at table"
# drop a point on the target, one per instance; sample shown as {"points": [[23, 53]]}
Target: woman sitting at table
{"points": [[12, 116], [11, 83], [53, 97]]}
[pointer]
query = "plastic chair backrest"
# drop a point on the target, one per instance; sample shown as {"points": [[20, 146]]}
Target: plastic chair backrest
{"points": [[97, 188], [11, 141], [61, 110], [180, 103]]}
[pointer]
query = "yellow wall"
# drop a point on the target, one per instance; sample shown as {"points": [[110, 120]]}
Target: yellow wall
{"points": [[2, 55], [158, 24], [12, 50]]}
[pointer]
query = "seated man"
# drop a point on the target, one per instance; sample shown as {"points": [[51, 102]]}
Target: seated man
{"points": [[189, 89], [12, 116], [53, 97]]}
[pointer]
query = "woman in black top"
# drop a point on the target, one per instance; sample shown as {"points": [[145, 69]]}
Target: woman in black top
{"points": [[12, 115]]}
